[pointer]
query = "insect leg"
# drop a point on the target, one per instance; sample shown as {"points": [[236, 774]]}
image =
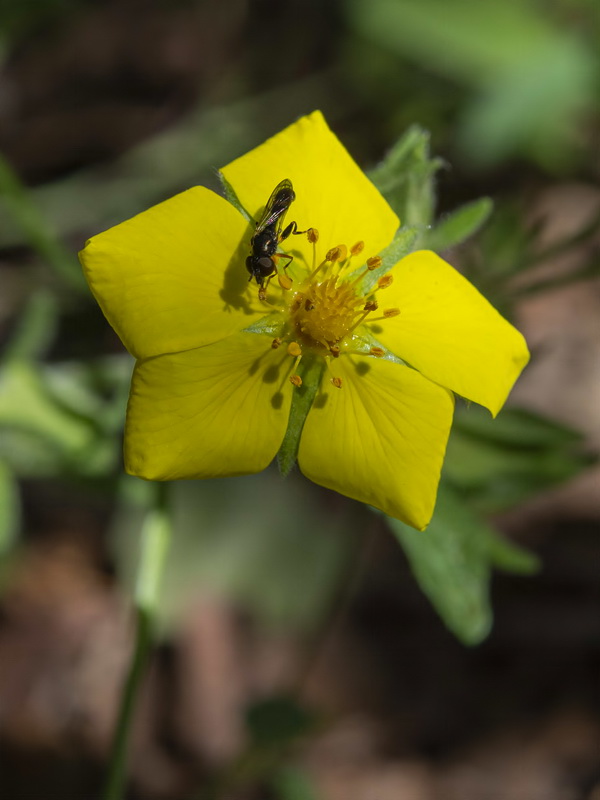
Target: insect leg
{"points": [[292, 228]]}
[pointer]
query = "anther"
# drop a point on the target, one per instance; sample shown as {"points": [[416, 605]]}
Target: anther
{"points": [[296, 380], [334, 254], [308, 305], [284, 281], [371, 305], [335, 350], [357, 248], [294, 349], [312, 234], [385, 281], [337, 382], [390, 312], [378, 352], [276, 343], [374, 262]]}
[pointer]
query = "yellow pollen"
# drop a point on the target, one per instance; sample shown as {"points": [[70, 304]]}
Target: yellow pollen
{"points": [[374, 262], [385, 281], [357, 248], [284, 281], [390, 312], [276, 343], [296, 380], [294, 349], [378, 352]]}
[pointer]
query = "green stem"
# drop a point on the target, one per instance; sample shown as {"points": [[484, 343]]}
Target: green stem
{"points": [[156, 535]]}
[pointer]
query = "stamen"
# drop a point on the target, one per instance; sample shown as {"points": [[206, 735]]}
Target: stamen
{"points": [[334, 254], [390, 312], [294, 349], [335, 350], [374, 262], [284, 281], [337, 382], [312, 234], [371, 305], [357, 248], [276, 343], [385, 281], [296, 380], [378, 352]]}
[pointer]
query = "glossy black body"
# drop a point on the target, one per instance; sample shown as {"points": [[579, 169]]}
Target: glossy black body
{"points": [[268, 234]]}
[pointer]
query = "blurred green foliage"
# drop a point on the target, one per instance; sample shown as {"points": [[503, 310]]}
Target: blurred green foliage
{"points": [[530, 77]]}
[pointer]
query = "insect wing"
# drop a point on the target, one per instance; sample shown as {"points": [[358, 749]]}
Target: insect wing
{"points": [[277, 205]]}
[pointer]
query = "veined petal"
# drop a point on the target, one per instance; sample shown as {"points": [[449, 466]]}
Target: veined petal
{"points": [[449, 332], [332, 192], [211, 412], [173, 277], [380, 438]]}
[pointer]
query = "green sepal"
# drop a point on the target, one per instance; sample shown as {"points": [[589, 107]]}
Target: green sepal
{"points": [[459, 225], [401, 245], [271, 325], [311, 372], [405, 177], [231, 196]]}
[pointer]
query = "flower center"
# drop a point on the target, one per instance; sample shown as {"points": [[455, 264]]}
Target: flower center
{"points": [[328, 306], [324, 313]]}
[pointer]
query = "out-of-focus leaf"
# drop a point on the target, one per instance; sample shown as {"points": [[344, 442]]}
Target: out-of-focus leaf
{"points": [[39, 436], [258, 541], [509, 557], [10, 509], [277, 722], [517, 427], [24, 215], [293, 783], [457, 226], [530, 79], [500, 463], [405, 178], [451, 563]]}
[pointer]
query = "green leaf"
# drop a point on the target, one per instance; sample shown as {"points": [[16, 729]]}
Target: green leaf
{"points": [[256, 541], [499, 465], [459, 225], [40, 435], [24, 215], [517, 427], [10, 510], [509, 557], [451, 563], [278, 721], [405, 178], [311, 372], [293, 783], [401, 245]]}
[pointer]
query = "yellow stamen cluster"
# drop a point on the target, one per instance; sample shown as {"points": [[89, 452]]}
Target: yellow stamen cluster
{"points": [[327, 308]]}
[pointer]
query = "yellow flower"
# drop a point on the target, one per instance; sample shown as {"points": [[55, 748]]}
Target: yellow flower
{"points": [[371, 352]]}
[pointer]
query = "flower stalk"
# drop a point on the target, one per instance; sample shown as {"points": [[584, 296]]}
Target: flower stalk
{"points": [[155, 539]]}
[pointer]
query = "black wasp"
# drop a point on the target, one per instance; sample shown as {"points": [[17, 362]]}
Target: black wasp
{"points": [[261, 264]]}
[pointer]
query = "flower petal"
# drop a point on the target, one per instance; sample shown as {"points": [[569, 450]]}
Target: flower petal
{"points": [[380, 438], [449, 332], [215, 411], [332, 193], [173, 277]]}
